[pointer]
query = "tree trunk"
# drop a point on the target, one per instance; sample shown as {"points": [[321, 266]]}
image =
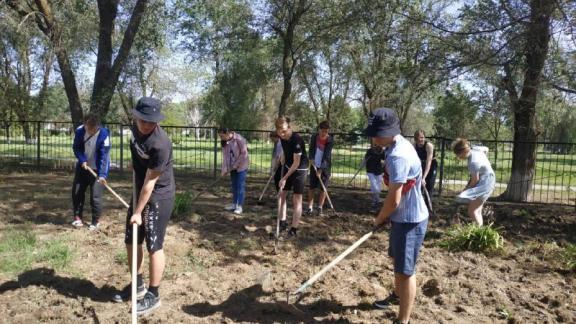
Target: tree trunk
{"points": [[525, 130], [287, 69], [108, 72]]}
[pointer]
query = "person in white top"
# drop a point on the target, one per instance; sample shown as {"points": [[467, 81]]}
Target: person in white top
{"points": [[482, 177]]}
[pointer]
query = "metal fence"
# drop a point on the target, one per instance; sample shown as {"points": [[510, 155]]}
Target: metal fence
{"points": [[48, 145]]}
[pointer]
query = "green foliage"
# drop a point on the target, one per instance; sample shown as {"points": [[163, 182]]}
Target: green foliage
{"points": [[455, 114], [182, 205], [569, 256], [484, 239], [121, 257], [20, 250]]}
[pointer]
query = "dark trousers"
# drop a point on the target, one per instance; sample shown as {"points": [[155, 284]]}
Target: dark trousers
{"points": [[431, 178], [82, 180]]}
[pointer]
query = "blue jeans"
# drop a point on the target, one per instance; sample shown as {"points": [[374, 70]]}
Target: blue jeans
{"points": [[238, 186]]}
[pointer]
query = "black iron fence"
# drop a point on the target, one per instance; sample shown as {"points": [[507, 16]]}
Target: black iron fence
{"points": [[48, 145]]}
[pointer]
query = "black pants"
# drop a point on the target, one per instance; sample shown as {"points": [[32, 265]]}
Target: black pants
{"points": [[431, 178], [82, 180], [155, 219]]}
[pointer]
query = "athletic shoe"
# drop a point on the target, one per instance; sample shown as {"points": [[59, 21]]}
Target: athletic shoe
{"points": [[230, 207], [94, 227], [293, 232], [77, 222], [126, 293], [238, 210], [393, 299], [319, 211], [308, 212], [283, 226], [397, 321], [147, 304]]}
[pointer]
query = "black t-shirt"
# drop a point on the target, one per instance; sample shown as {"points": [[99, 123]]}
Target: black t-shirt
{"points": [[295, 145], [373, 160], [153, 151]]}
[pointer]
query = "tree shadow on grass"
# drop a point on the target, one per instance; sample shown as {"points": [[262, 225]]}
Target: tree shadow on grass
{"points": [[69, 287]]}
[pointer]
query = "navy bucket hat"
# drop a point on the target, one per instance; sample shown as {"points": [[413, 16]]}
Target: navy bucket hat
{"points": [[382, 122], [148, 109]]}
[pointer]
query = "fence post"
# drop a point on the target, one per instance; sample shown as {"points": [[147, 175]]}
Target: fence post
{"points": [[442, 157], [38, 144], [121, 148], [215, 135]]}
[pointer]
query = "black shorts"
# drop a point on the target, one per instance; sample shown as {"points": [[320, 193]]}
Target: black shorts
{"points": [[155, 219], [313, 179], [296, 182]]}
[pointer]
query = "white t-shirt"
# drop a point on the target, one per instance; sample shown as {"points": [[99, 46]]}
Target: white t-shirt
{"points": [[90, 148]]}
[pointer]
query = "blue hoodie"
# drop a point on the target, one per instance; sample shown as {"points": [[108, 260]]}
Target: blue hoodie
{"points": [[102, 155]]}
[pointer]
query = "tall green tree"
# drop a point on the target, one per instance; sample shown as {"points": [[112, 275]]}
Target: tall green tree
{"points": [[50, 18]]}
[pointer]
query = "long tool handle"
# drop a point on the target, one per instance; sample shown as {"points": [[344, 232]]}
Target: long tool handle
{"points": [[134, 298], [427, 200], [357, 171], [108, 187], [324, 188], [333, 263], [208, 187], [267, 184], [134, 272]]}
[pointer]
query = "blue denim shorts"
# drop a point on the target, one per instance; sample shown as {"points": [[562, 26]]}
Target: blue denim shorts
{"points": [[405, 243]]}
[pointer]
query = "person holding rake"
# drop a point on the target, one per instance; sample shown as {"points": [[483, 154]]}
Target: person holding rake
{"points": [[152, 201], [321, 145], [92, 150], [404, 206], [294, 172]]}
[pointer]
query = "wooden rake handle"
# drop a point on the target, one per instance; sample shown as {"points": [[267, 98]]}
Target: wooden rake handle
{"points": [[108, 187], [324, 188]]}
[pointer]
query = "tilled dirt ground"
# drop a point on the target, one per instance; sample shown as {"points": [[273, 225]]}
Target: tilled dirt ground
{"points": [[221, 267]]}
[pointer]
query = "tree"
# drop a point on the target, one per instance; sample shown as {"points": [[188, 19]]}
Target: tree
{"points": [[110, 60], [455, 114]]}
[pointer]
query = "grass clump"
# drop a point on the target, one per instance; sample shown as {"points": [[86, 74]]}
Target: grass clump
{"points": [[182, 205], [484, 239], [570, 256], [20, 250]]}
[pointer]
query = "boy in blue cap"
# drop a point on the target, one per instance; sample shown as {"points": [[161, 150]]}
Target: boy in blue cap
{"points": [[404, 206]]}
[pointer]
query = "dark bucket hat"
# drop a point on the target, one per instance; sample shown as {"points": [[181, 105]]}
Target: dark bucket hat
{"points": [[382, 122], [148, 109]]}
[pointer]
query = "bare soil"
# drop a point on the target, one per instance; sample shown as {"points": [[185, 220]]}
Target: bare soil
{"points": [[221, 267]]}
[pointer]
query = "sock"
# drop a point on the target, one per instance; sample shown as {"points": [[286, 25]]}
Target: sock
{"points": [[139, 280], [154, 290]]}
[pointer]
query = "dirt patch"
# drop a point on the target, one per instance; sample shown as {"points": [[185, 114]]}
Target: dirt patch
{"points": [[221, 267]]}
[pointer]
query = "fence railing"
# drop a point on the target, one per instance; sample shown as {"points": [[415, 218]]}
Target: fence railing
{"points": [[48, 145]]}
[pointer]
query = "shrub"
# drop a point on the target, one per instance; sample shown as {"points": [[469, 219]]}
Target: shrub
{"points": [[484, 239], [570, 256], [182, 205]]}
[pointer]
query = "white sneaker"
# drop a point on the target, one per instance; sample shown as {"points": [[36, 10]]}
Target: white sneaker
{"points": [[238, 210], [230, 207], [94, 227], [77, 222]]}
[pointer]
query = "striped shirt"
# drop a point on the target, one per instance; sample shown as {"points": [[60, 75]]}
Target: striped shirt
{"points": [[403, 163]]}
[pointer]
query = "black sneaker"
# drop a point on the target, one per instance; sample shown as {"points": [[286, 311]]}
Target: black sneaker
{"points": [[308, 212], [293, 232], [283, 226], [393, 299], [397, 321], [147, 304], [319, 211], [126, 293]]}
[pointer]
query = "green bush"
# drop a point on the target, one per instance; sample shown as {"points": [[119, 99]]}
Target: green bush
{"points": [[182, 205], [570, 256], [484, 239]]}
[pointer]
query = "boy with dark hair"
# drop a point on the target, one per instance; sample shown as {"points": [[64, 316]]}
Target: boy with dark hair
{"points": [[92, 150], [321, 145]]}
